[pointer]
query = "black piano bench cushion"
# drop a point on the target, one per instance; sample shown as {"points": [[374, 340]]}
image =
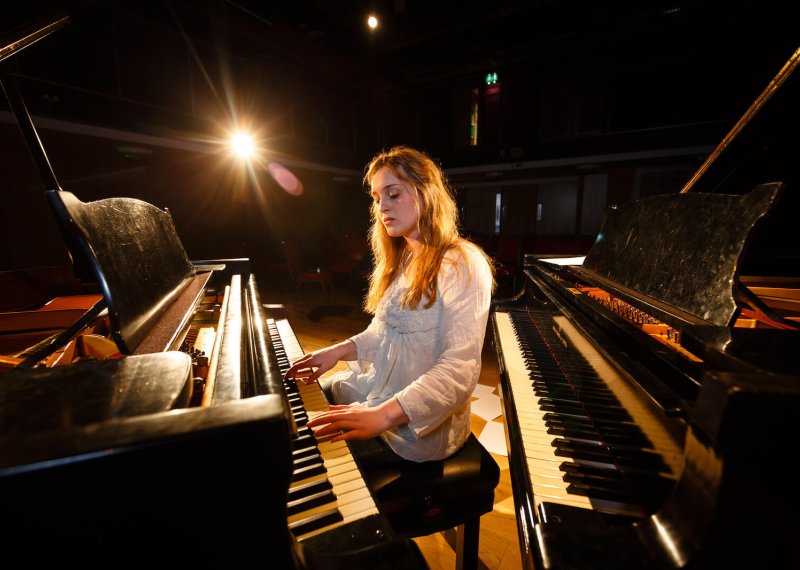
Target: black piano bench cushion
{"points": [[434, 496]]}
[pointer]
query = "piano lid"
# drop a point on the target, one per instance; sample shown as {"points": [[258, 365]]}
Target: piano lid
{"points": [[682, 250], [130, 247], [137, 256]]}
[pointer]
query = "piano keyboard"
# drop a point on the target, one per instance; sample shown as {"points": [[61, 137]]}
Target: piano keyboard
{"points": [[589, 441], [327, 489]]}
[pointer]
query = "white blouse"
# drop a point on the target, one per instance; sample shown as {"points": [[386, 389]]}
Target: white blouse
{"points": [[430, 359]]}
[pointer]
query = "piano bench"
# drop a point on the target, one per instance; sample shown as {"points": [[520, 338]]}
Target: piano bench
{"points": [[433, 496]]}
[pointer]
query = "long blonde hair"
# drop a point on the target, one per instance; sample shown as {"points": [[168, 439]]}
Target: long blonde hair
{"points": [[437, 224]]}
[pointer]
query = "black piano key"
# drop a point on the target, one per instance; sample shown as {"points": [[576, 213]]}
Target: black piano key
{"points": [[305, 459], [616, 447], [570, 449], [625, 439], [612, 480], [625, 458], [649, 489], [307, 489], [308, 471], [644, 482], [620, 415], [546, 387], [316, 521], [585, 400], [583, 389], [570, 468], [303, 432], [306, 503], [601, 425], [601, 493], [304, 451]]}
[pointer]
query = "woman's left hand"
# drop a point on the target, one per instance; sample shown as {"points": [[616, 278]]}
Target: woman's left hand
{"points": [[356, 421]]}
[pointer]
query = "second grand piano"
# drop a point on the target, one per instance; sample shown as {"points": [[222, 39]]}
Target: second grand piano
{"points": [[651, 389]]}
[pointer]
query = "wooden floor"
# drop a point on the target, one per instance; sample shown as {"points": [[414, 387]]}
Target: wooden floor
{"points": [[319, 321]]}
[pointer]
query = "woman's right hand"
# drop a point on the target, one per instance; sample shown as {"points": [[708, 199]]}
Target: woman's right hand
{"points": [[311, 366]]}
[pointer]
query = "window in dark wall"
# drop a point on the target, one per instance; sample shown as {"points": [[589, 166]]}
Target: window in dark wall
{"points": [[474, 108], [559, 202], [490, 121], [557, 105], [652, 94], [477, 209], [593, 203], [619, 189], [520, 106], [652, 181], [519, 210]]}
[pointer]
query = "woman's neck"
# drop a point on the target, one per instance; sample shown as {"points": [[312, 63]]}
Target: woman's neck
{"points": [[414, 246]]}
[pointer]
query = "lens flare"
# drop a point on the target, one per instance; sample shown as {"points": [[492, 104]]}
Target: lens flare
{"points": [[285, 178]]}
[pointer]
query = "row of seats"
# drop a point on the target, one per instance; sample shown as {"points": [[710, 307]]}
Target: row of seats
{"points": [[349, 262]]}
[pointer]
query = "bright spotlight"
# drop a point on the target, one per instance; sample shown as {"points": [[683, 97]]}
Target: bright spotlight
{"points": [[242, 145], [372, 22]]}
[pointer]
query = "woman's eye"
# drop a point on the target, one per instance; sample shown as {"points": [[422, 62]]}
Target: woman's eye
{"points": [[391, 196]]}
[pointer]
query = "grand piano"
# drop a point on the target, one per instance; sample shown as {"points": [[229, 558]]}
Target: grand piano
{"points": [[144, 417], [651, 389]]}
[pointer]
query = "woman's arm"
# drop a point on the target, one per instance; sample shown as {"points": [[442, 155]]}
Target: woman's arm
{"points": [[311, 366]]}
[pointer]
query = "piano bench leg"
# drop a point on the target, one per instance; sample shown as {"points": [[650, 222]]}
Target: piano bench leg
{"points": [[467, 537], [423, 498]]}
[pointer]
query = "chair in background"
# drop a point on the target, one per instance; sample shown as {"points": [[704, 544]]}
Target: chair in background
{"points": [[302, 276], [350, 260], [508, 261]]}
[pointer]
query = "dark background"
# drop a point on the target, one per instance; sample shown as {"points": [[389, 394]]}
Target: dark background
{"points": [[596, 103]]}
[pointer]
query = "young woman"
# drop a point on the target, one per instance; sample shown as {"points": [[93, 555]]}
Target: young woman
{"points": [[413, 370]]}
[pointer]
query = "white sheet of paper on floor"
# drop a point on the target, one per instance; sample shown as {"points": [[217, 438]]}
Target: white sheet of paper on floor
{"points": [[482, 390], [487, 407], [493, 438]]}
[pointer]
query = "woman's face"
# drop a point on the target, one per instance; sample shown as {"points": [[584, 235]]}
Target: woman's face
{"points": [[395, 200]]}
